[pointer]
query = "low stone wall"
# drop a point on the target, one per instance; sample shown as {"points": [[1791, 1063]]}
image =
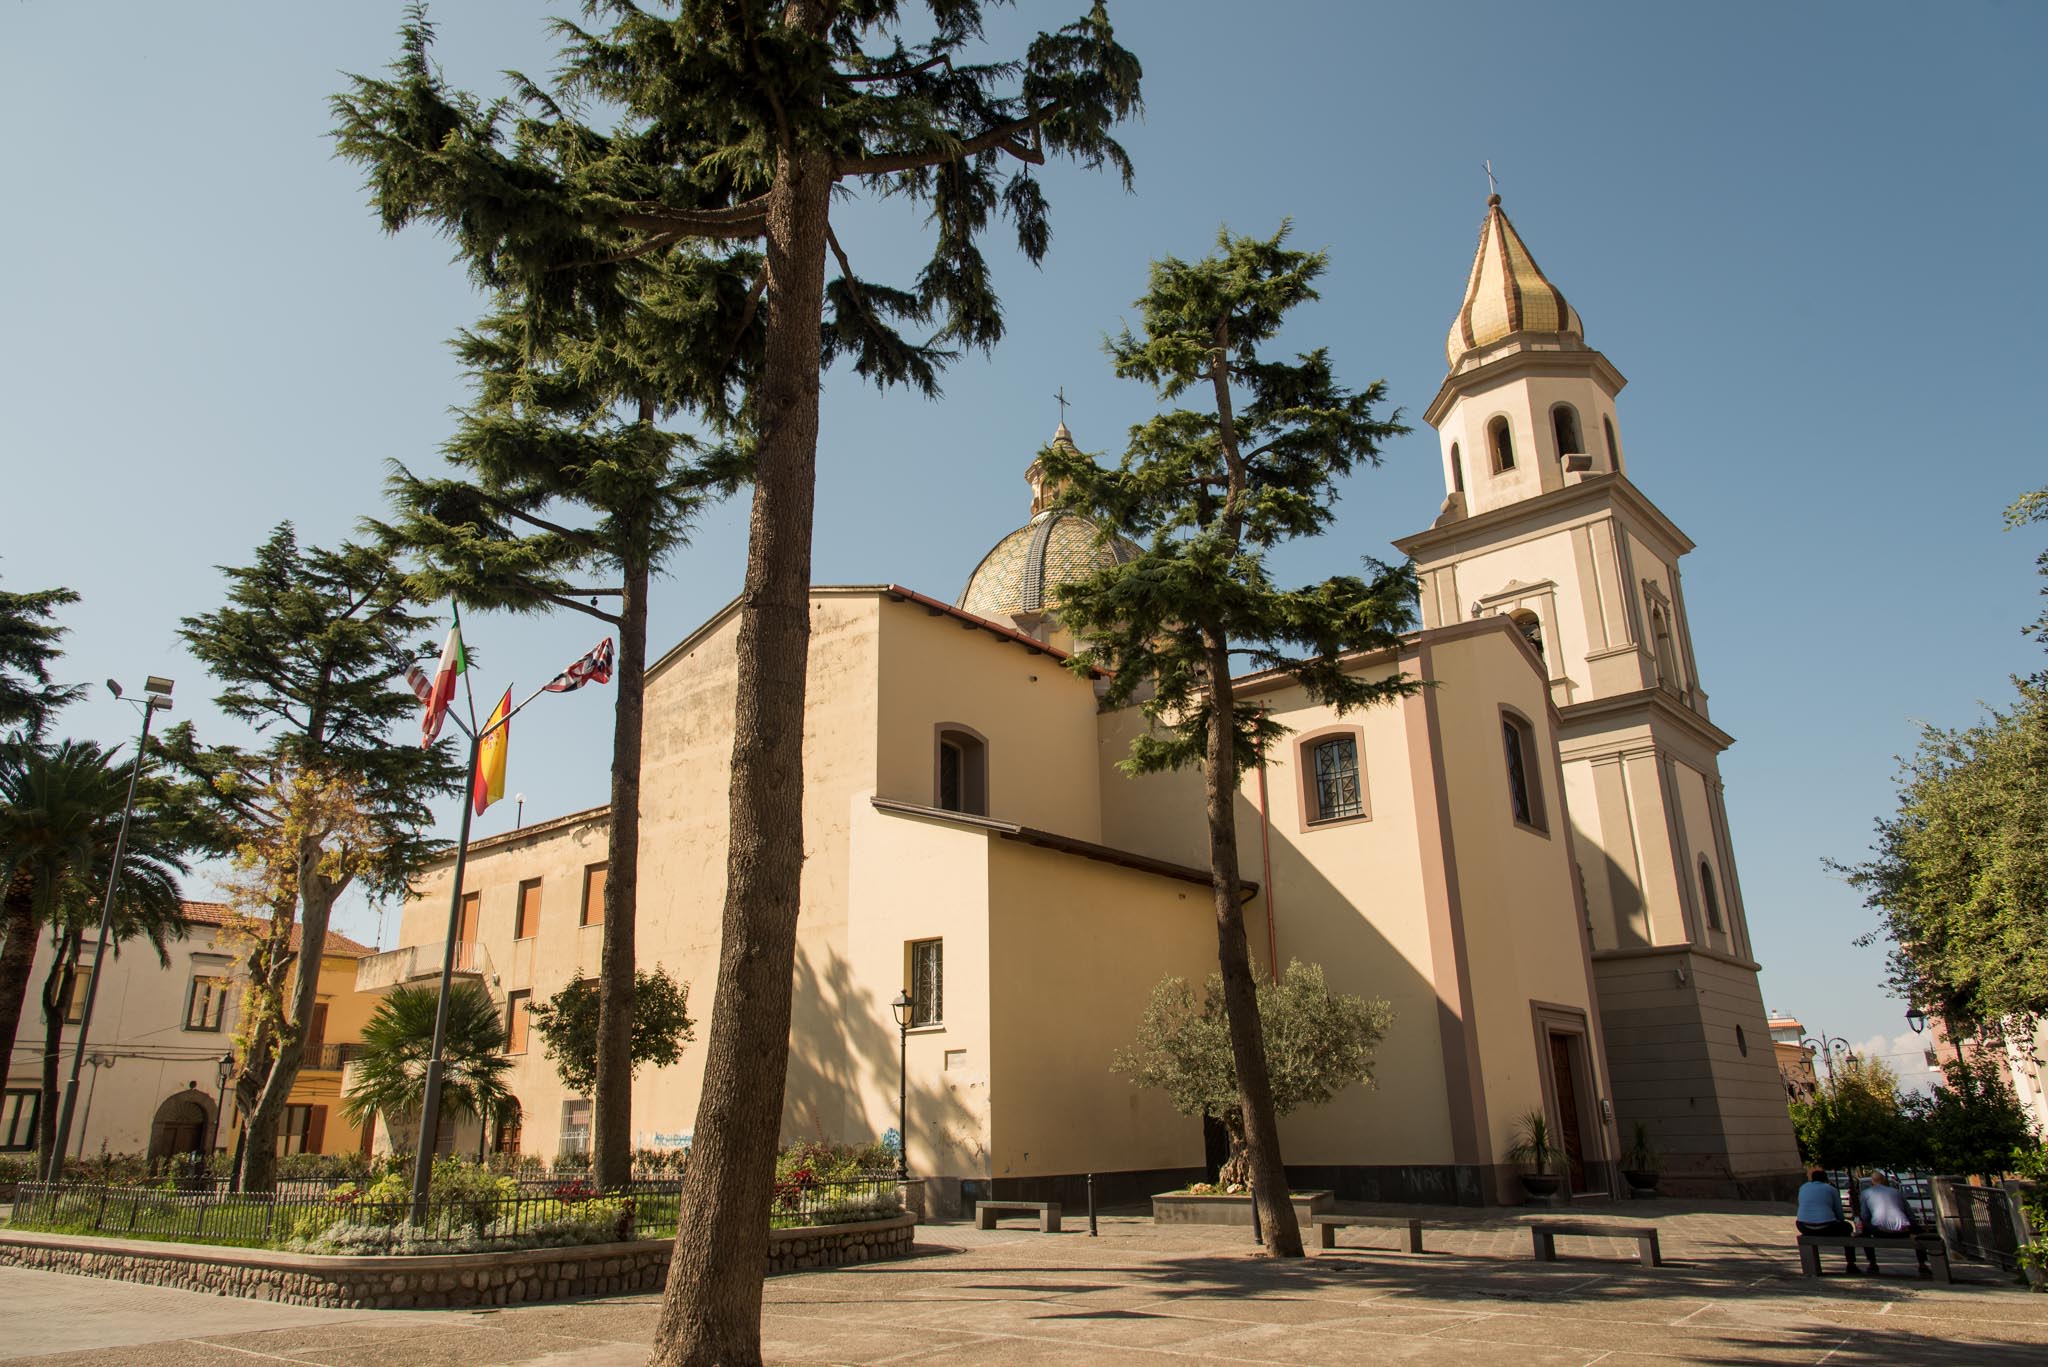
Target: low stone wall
{"points": [[445, 1280]]}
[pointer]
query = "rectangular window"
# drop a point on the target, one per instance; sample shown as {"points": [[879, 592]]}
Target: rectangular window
{"points": [[528, 923], [206, 1003], [316, 1029], [20, 1108], [515, 1021], [576, 1126], [304, 1130], [81, 983], [593, 895], [1338, 792], [927, 982], [1525, 794]]}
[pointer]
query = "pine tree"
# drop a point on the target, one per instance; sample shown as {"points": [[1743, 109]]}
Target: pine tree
{"points": [[307, 649], [28, 643], [1208, 491], [740, 121], [562, 475]]}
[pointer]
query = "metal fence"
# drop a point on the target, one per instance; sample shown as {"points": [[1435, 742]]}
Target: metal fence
{"points": [[1985, 1223], [537, 1209]]}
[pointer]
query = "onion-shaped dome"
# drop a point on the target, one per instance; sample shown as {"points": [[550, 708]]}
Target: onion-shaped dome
{"points": [[1022, 574], [1508, 293]]}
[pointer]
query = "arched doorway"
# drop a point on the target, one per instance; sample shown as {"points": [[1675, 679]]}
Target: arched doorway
{"points": [[183, 1124]]}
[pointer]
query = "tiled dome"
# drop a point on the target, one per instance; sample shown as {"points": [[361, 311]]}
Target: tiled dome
{"points": [[1508, 293], [1024, 571]]}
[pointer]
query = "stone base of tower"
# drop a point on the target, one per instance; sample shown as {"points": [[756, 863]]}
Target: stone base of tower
{"points": [[1689, 1055]]}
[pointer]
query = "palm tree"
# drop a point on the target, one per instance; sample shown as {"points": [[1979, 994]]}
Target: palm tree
{"points": [[60, 814], [391, 1071]]}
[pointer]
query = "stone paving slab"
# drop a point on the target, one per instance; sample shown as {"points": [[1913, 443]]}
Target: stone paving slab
{"points": [[1143, 1294]]}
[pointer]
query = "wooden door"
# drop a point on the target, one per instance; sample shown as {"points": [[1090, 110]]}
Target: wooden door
{"points": [[1570, 1138]]}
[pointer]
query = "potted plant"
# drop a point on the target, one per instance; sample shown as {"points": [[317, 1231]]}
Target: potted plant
{"points": [[1639, 1163], [1534, 1145]]}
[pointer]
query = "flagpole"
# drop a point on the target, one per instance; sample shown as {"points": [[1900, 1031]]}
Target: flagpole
{"points": [[430, 1100]]}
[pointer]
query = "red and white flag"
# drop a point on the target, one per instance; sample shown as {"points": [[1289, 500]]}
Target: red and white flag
{"points": [[596, 667], [453, 662]]}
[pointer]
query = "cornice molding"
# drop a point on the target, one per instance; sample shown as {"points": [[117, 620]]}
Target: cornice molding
{"points": [[1588, 495], [1517, 362]]}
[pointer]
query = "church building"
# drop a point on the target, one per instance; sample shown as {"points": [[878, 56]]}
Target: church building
{"points": [[1529, 859]]}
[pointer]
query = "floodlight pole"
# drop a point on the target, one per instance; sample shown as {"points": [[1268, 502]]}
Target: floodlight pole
{"points": [[92, 984]]}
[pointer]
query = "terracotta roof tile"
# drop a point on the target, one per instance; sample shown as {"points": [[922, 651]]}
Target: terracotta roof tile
{"points": [[220, 914]]}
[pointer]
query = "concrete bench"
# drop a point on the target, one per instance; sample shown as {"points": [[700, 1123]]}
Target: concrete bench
{"points": [[1927, 1249], [1048, 1212], [1545, 1233], [1328, 1225]]}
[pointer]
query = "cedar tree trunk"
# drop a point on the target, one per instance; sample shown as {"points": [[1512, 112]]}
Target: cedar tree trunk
{"points": [[57, 985], [611, 1111], [711, 1314], [1240, 988]]}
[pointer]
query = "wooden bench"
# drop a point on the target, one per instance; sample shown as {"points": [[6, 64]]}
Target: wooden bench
{"points": [[1328, 1225], [1927, 1249], [1048, 1212], [1545, 1233]]}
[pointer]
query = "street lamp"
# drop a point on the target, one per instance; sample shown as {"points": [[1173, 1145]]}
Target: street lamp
{"points": [[1917, 1019], [1829, 1046], [902, 1007], [157, 698], [227, 1070]]}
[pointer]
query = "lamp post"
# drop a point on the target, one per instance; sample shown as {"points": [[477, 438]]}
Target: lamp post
{"points": [[1829, 1046], [98, 1061], [1918, 1020], [227, 1070], [902, 1006], [157, 698]]}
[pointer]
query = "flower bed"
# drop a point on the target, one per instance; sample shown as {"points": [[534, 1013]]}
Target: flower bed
{"points": [[1213, 1207]]}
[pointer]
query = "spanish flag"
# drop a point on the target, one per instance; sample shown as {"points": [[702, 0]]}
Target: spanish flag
{"points": [[490, 755]]}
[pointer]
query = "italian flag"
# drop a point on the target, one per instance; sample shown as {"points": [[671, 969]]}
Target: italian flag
{"points": [[453, 661]]}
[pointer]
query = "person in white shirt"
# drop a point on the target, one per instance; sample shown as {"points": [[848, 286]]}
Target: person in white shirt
{"points": [[1884, 1214]]}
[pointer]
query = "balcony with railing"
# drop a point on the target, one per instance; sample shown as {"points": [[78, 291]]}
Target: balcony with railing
{"points": [[422, 963], [331, 1058]]}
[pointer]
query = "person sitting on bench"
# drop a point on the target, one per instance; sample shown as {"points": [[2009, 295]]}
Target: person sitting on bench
{"points": [[1884, 1214], [1820, 1212]]}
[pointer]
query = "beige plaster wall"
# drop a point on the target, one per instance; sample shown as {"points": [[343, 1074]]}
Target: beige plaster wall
{"points": [[916, 879], [1522, 922], [1526, 402], [1036, 716], [1067, 993]]}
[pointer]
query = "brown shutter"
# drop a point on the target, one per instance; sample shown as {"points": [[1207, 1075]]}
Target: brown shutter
{"points": [[316, 1030], [316, 1129], [369, 1133]]}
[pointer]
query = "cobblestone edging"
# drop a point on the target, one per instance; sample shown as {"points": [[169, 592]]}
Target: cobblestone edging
{"points": [[456, 1279]]}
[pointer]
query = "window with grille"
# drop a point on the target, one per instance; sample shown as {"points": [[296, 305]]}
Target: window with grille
{"points": [[927, 982], [1524, 797], [1338, 792], [576, 1126]]}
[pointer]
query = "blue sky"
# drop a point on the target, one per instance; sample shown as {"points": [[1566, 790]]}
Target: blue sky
{"points": [[1798, 229]]}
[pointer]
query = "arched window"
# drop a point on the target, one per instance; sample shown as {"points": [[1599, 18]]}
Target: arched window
{"points": [[1613, 452], [1531, 627], [1525, 790], [1339, 793], [1503, 443], [1564, 422], [1707, 898], [1457, 470], [962, 779]]}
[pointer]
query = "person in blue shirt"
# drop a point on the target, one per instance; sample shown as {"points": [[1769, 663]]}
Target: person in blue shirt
{"points": [[1885, 1215], [1820, 1212]]}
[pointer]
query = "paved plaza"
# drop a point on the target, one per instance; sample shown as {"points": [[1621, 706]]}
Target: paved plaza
{"points": [[1172, 1295]]}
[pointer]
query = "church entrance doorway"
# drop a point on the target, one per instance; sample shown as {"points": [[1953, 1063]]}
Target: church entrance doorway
{"points": [[1570, 1128], [181, 1124]]}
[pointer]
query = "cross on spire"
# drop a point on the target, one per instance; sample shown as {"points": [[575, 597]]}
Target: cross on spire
{"points": [[1060, 397], [1492, 190]]}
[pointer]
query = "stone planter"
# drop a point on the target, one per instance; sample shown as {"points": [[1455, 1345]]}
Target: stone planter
{"points": [[1641, 1185], [1182, 1208], [1541, 1188]]}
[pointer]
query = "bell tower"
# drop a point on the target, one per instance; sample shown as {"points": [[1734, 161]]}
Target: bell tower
{"points": [[1540, 523]]}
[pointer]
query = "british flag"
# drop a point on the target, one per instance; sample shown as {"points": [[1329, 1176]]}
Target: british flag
{"points": [[596, 667]]}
